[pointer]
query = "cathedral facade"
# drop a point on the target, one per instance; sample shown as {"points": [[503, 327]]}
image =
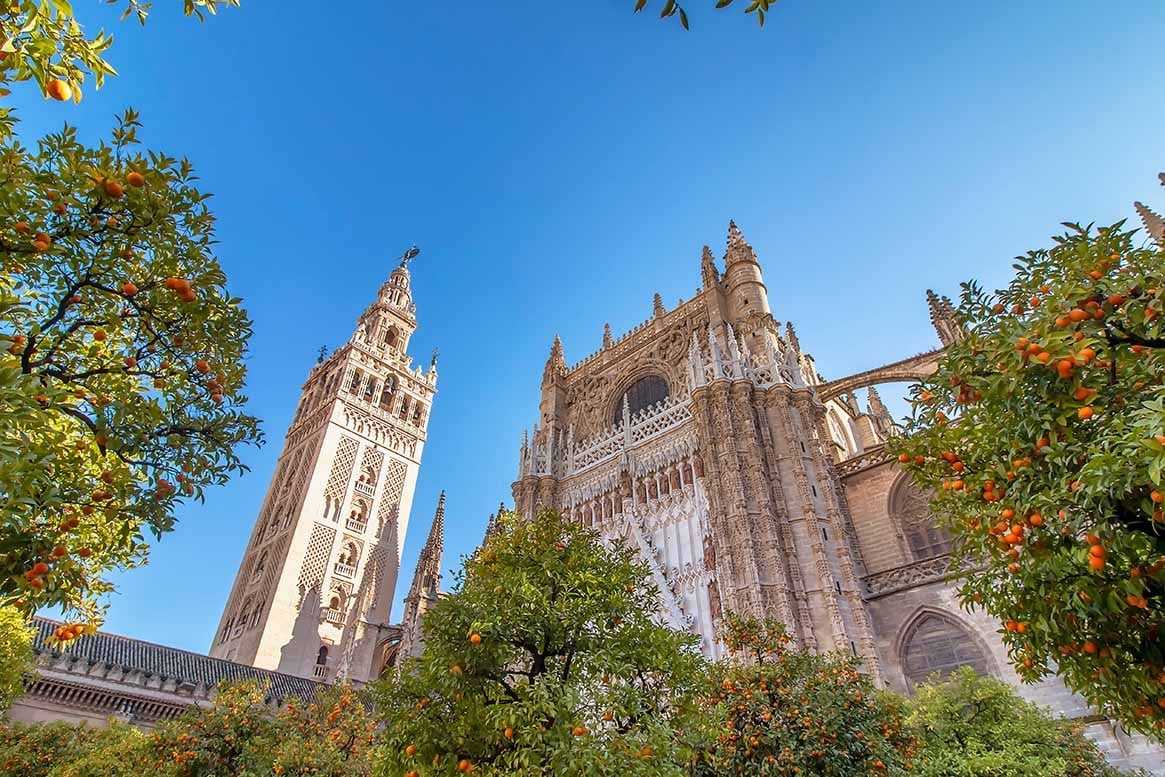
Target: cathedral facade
{"points": [[313, 594], [707, 439]]}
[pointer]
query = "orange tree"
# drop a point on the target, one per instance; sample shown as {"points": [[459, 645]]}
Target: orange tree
{"points": [[1043, 436], [44, 41], [773, 710], [121, 362], [545, 660], [326, 737]]}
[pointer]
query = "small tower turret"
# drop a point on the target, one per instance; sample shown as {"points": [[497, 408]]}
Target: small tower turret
{"points": [[708, 271]]}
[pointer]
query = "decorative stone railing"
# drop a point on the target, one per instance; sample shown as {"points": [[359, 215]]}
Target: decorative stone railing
{"points": [[871, 457], [900, 578], [332, 615], [319, 671], [346, 570], [636, 429], [364, 488], [355, 524]]}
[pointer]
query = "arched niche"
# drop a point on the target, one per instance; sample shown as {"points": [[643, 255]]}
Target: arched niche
{"points": [[934, 641]]}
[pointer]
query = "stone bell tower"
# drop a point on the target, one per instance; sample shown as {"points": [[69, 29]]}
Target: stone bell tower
{"points": [[314, 590]]}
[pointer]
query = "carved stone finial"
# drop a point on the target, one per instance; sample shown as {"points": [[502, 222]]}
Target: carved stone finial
{"points": [[738, 247], [791, 337], [945, 320], [322, 355], [708, 271], [657, 306], [555, 363], [1154, 223], [608, 341]]}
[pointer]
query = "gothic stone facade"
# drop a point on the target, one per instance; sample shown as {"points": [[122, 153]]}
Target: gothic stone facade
{"points": [[706, 438], [313, 594]]}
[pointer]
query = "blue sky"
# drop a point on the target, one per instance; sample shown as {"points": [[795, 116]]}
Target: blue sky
{"points": [[558, 163]]}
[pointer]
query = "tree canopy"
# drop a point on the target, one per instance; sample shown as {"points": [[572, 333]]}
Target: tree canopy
{"points": [[544, 660], [45, 42], [122, 371], [972, 726], [672, 8], [773, 710], [1042, 435]]}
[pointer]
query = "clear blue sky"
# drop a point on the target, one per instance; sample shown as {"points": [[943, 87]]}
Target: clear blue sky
{"points": [[558, 163]]}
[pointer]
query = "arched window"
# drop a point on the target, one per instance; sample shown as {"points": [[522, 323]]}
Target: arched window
{"points": [[356, 380], [334, 602], [322, 656], [644, 392], [387, 392], [359, 511], [349, 554], [935, 643], [911, 509], [390, 337]]}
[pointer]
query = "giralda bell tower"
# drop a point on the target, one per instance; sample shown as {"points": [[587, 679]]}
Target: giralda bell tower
{"points": [[314, 590]]}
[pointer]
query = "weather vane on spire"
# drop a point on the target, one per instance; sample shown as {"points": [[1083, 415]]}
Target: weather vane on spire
{"points": [[409, 255]]}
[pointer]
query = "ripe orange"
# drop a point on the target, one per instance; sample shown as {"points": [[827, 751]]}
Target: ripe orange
{"points": [[1157, 497], [22, 227], [59, 90], [904, 458], [475, 639], [40, 568], [410, 751], [60, 208], [1096, 562], [99, 335], [129, 289], [1084, 413], [646, 751], [84, 552], [188, 296], [112, 189], [455, 669], [508, 733], [465, 765], [135, 179], [131, 362]]}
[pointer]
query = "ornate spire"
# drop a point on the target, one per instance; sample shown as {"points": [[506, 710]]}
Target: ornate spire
{"points": [[555, 363], [791, 337], [738, 248], [435, 545], [1154, 223], [657, 306], [943, 317], [607, 340], [708, 271]]}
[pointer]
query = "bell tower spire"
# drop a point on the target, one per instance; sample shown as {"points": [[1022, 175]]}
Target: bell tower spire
{"points": [[313, 594]]}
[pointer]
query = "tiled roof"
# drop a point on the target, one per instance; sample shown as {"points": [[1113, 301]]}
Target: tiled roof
{"points": [[167, 662]]}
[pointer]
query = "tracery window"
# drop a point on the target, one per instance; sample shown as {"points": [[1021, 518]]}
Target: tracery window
{"points": [[939, 644], [911, 508], [644, 392]]}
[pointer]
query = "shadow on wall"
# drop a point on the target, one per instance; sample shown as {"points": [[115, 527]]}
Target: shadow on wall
{"points": [[298, 656]]}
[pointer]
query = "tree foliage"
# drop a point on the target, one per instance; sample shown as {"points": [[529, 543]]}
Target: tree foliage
{"points": [[972, 726], [1043, 436], [543, 661], [43, 40], [15, 654], [773, 710], [237, 737], [121, 361], [672, 8]]}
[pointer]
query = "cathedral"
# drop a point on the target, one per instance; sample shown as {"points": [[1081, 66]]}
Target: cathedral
{"points": [[707, 439]]}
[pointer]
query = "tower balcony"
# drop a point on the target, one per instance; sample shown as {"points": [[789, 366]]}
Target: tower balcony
{"points": [[364, 488], [319, 671], [332, 615], [345, 570], [356, 524]]}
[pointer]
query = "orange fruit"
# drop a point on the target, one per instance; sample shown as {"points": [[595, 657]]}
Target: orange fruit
{"points": [[475, 639], [135, 179], [59, 90], [112, 189], [410, 751], [1084, 413], [508, 733], [129, 289]]}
